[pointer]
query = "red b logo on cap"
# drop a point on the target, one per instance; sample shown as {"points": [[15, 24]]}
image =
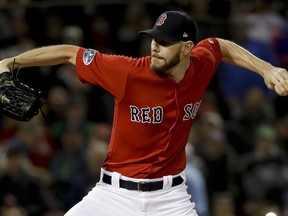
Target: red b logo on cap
{"points": [[161, 19]]}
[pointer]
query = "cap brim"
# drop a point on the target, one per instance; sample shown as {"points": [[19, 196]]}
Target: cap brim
{"points": [[158, 34]]}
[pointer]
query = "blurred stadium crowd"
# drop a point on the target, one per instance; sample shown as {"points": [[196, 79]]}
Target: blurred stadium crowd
{"points": [[237, 152]]}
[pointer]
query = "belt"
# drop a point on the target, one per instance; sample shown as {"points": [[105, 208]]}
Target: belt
{"points": [[142, 185]]}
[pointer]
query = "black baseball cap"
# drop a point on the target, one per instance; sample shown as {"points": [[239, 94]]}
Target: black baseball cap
{"points": [[174, 26]]}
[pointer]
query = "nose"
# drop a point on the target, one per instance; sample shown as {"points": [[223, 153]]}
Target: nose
{"points": [[154, 46]]}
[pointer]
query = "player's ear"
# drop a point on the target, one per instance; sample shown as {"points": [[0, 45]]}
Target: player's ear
{"points": [[187, 47]]}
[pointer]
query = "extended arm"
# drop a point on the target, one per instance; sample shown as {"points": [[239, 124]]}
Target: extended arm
{"points": [[44, 56], [275, 78]]}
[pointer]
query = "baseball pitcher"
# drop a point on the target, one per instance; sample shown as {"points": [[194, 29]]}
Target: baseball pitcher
{"points": [[156, 101]]}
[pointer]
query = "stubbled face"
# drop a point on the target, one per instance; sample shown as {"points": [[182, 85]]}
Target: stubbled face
{"points": [[164, 56]]}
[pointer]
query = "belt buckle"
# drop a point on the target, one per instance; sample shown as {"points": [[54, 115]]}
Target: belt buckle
{"points": [[139, 185]]}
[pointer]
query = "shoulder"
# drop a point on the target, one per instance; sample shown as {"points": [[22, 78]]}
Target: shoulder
{"points": [[207, 48], [211, 44], [87, 56]]}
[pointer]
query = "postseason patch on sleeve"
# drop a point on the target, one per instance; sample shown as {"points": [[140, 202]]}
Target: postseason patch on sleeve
{"points": [[88, 56]]}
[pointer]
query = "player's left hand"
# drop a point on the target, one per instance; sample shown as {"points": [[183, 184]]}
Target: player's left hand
{"points": [[277, 80]]}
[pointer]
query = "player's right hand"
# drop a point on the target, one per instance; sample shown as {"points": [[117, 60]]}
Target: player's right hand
{"points": [[277, 80]]}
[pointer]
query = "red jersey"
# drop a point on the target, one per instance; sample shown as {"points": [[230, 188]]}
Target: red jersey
{"points": [[153, 115]]}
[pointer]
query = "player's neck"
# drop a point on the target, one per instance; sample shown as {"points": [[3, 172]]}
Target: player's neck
{"points": [[178, 72]]}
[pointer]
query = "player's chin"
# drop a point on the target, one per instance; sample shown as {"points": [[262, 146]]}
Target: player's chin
{"points": [[156, 64], [157, 69]]}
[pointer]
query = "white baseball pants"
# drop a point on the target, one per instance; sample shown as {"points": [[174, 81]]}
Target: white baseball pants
{"points": [[111, 200]]}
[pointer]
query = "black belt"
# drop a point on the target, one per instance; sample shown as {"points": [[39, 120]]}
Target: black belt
{"points": [[142, 185]]}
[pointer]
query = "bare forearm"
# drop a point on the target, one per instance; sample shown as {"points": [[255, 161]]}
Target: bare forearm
{"points": [[238, 56], [275, 78], [43, 56]]}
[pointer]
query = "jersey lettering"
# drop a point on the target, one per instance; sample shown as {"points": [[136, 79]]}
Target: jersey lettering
{"points": [[144, 115], [157, 114], [191, 111], [134, 112]]}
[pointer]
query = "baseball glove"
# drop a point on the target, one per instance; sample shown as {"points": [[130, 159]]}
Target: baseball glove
{"points": [[17, 100]]}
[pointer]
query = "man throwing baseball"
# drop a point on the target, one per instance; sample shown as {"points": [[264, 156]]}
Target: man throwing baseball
{"points": [[156, 100]]}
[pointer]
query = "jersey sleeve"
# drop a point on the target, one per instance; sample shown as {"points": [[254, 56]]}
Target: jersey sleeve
{"points": [[209, 49], [107, 71]]}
